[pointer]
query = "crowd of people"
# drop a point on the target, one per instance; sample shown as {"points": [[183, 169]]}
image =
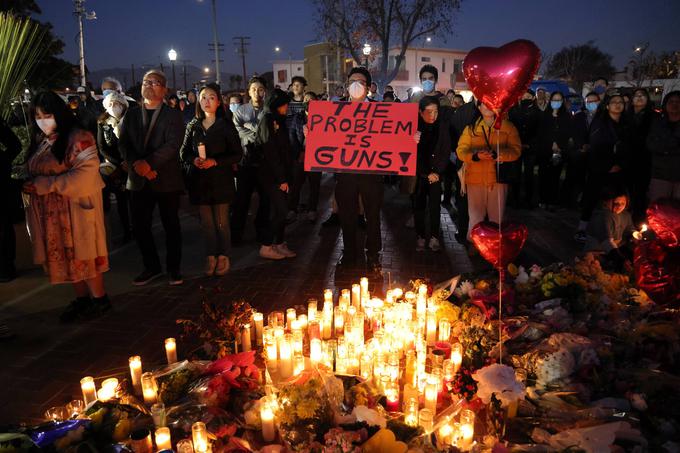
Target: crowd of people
{"points": [[608, 160]]}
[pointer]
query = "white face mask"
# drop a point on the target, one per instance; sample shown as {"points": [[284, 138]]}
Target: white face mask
{"points": [[47, 125], [116, 111], [357, 90]]}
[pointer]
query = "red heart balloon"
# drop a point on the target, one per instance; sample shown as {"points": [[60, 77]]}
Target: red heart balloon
{"points": [[499, 76], [499, 247], [664, 219]]}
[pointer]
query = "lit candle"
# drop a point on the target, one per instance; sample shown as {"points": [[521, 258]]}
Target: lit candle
{"points": [[299, 366], [163, 441], [290, 317], [311, 310], [285, 364], [302, 320], [108, 390], [421, 306], [245, 338], [425, 419], [327, 319], [258, 319], [456, 356], [392, 396], [431, 328], [356, 296], [344, 300], [199, 434], [449, 370], [366, 366], [149, 388], [431, 394], [327, 296], [315, 351], [411, 393], [171, 350], [339, 321], [158, 414], [298, 341], [89, 389], [444, 330], [422, 290], [467, 428], [314, 329], [270, 346], [267, 416], [445, 434], [136, 373], [411, 412]]}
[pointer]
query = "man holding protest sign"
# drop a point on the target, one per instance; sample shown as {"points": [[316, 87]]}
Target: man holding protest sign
{"points": [[361, 141]]}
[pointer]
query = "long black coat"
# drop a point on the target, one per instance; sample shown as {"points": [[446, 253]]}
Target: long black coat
{"points": [[216, 184], [551, 129], [610, 144], [277, 162]]}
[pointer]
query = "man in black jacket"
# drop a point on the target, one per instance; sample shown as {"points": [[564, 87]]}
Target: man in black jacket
{"points": [[525, 116], [150, 138], [10, 149]]}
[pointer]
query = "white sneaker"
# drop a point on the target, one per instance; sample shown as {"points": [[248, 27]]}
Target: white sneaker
{"points": [[210, 264], [434, 244], [420, 244], [410, 223], [222, 265], [284, 250], [269, 252], [311, 216]]}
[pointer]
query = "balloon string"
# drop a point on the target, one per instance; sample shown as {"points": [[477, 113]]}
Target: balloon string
{"points": [[500, 244]]}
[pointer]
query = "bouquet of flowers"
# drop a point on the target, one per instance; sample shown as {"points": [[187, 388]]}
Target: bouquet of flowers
{"points": [[498, 380], [305, 412]]}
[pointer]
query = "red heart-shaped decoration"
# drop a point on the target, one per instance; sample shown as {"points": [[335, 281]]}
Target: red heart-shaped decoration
{"points": [[499, 247], [664, 219], [499, 76]]}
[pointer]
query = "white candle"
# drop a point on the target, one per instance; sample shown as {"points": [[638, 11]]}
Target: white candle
{"points": [[89, 389], [431, 394], [299, 365], [271, 348], [327, 296], [258, 319], [149, 388], [421, 305], [456, 356], [108, 390], [136, 373], [356, 296], [315, 351], [171, 350], [302, 320], [431, 328], [344, 300], [467, 427], [163, 441], [291, 315], [199, 434], [285, 364], [311, 310], [267, 416], [245, 338]]}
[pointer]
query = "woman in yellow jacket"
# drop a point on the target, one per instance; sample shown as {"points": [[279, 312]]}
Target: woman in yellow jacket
{"points": [[479, 149]]}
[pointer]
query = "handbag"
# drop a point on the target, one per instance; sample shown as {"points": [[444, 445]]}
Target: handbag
{"points": [[506, 172]]}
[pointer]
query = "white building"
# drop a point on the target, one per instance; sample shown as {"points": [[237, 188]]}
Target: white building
{"points": [[285, 70], [449, 63]]}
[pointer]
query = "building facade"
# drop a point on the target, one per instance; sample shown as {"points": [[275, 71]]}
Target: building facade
{"points": [[284, 71]]}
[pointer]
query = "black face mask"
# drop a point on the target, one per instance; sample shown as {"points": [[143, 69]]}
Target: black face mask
{"points": [[526, 102]]}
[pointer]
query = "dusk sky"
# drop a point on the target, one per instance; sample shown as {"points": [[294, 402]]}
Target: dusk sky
{"points": [[142, 31]]}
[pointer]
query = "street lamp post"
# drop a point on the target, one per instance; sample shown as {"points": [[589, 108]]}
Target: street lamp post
{"points": [[367, 51], [172, 55]]}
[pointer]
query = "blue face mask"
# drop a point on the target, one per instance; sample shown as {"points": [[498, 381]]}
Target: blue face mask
{"points": [[599, 89], [428, 86], [591, 106], [107, 92], [233, 107], [555, 105]]}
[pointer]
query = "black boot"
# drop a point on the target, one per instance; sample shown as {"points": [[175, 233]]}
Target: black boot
{"points": [[101, 304], [79, 308]]}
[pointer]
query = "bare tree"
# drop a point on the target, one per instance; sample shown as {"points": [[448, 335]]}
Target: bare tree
{"points": [[398, 23], [579, 64], [646, 64]]}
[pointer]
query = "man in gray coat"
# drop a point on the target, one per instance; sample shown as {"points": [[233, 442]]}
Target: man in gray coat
{"points": [[150, 137]]}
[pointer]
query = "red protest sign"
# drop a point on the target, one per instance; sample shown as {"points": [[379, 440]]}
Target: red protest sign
{"points": [[362, 137]]}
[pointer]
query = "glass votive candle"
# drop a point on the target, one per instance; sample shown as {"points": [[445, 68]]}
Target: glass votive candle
{"points": [[135, 363], [163, 440], [89, 390], [314, 329], [299, 365], [185, 446], [431, 393], [149, 390], [298, 341], [426, 420], [158, 414], [339, 321], [57, 414], [449, 370], [108, 390], [315, 352], [275, 319], [467, 427], [312, 307], [75, 408], [456, 356], [411, 412], [344, 300], [171, 350], [444, 329], [141, 442], [302, 319], [392, 396], [199, 435], [291, 316]]}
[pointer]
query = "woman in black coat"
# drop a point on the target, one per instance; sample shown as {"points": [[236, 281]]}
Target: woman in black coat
{"points": [[641, 114], [275, 171], [555, 138], [608, 157], [211, 147]]}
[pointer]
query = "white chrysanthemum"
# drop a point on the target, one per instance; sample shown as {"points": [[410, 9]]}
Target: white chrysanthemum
{"points": [[501, 380], [464, 288], [522, 276]]}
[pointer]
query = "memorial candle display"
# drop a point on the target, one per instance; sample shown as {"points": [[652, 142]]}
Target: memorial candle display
{"points": [[171, 350], [163, 441], [267, 418], [89, 390]]}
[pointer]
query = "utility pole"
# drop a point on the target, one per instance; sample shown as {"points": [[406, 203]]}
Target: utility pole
{"points": [[184, 72], [242, 42], [80, 13], [216, 44]]}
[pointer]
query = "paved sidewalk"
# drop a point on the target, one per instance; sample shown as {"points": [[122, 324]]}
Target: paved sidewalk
{"points": [[42, 366]]}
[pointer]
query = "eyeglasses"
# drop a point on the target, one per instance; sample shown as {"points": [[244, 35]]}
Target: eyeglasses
{"points": [[152, 83], [361, 81]]}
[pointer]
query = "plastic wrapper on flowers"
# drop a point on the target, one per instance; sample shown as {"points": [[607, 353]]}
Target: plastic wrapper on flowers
{"points": [[657, 271]]}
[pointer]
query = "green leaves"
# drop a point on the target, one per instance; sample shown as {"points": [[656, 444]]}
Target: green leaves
{"points": [[21, 48]]}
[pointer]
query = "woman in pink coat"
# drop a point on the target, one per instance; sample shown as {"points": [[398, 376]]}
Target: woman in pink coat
{"points": [[64, 209]]}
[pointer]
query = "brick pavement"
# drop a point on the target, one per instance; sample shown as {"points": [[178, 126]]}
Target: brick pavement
{"points": [[43, 364]]}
